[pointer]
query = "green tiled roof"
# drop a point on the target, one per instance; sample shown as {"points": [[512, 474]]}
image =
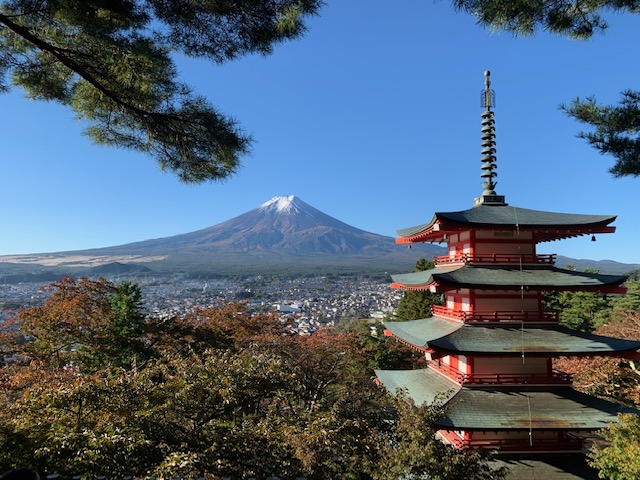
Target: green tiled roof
{"points": [[520, 409], [423, 385], [560, 408], [492, 277], [420, 332], [545, 339], [508, 215]]}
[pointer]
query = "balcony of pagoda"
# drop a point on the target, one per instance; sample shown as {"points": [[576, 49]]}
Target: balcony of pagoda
{"points": [[446, 313], [505, 445], [495, 259], [500, 379]]}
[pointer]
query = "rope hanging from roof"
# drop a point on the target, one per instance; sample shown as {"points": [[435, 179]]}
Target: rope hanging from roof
{"points": [[517, 225]]}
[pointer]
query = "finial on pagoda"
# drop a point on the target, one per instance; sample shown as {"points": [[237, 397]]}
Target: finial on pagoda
{"points": [[488, 95], [488, 98]]}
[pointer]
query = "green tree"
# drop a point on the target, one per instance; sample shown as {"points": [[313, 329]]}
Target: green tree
{"points": [[415, 452], [629, 302], [111, 63], [615, 128], [584, 311], [87, 323], [223, 392], [381, 352], [578, 20], [416, 304], [620, 460], [125, 343]]}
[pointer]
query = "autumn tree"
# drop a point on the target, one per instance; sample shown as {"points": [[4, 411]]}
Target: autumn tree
{"points": [[415, 451], [220, 392], [605, 376], [620, 459], [614, 128], [609, 376], [111, 63], [84, 322]]}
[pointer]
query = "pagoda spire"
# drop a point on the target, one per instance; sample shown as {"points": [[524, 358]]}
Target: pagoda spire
{"points": [[488, 144]]}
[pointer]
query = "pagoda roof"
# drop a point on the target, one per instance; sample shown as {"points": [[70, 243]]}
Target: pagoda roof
{"points": [[422, 385], [559, 408], [469, 338], [502, 216], [504, 277]]}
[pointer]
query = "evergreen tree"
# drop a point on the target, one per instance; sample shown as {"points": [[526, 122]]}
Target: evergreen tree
{"points": [[111, 62], [630, 302], [416, 304], [86, 323], [128, 326], [615, 128], [584, 311], [579, 20]]}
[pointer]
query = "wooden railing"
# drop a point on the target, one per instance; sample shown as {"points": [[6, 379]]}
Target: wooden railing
{"points": [[481, 379], [496, 316], [505, 445], [516, 378], [498, 258], [56, 476]]}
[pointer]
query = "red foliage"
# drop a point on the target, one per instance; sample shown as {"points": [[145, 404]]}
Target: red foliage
{"points": [[608, 376]]}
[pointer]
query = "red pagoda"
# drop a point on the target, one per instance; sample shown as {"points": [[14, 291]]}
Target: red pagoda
{"points": [[491, 347]]}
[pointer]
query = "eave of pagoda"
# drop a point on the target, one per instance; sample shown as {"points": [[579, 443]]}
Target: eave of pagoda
{"points": [[503, 409], [443, 337], [444, 279], [432, 233], [440, 230], [436, 287], [545, 226], [535, 409]]}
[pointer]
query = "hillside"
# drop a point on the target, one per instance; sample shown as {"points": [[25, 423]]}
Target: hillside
{"points": [[283, 235]]}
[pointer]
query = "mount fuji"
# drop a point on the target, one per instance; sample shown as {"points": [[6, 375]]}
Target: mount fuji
{"points": [[284, 234]]}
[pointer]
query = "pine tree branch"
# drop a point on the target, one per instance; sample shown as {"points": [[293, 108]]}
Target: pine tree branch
{"points": [[68, 62]]}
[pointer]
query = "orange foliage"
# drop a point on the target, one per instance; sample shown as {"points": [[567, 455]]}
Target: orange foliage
{"points": [[77, 312], [608, 376]]}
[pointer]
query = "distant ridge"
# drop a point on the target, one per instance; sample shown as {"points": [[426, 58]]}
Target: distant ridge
{"points": [[282, 234], [282, 225]]}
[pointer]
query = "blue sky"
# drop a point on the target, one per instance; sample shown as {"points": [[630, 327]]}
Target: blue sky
{"points": [[373, 117]]}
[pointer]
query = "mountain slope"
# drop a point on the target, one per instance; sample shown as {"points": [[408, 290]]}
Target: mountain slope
{"points": [[284, 225], [284, 234]]}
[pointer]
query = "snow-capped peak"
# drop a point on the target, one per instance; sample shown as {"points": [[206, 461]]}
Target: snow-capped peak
{"points": [[281, 203]]}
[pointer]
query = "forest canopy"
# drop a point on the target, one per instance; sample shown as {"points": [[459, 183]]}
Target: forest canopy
{"points": [[90, 385]]}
